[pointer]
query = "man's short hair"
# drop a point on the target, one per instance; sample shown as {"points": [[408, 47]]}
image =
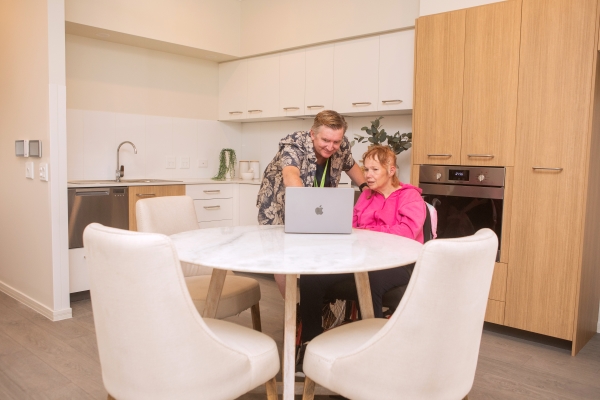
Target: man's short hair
{"points": [[330, 119]]}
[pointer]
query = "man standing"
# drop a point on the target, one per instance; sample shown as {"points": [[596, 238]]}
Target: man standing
{"points": [[313, 158], [305, 159]]}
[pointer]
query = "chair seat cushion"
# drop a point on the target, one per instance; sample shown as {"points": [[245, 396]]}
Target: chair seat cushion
{"points": [[260, 348], [239, 294], [323, 350]]}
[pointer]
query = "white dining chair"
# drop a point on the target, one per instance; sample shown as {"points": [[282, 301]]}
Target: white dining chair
{"points": [[152, 343], [174, 214], [428, 349]]}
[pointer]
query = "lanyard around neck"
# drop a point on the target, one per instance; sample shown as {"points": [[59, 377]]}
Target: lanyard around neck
{"points": [[316, 184]]}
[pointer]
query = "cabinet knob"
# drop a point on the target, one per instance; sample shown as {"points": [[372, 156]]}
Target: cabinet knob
{"points": [[236, 112], [315, 106], [481, 155], [212, 207], [546, 169], [291, 108], [145, 194], [254, 111], [391, 101], [362, 103], [439, 155]]}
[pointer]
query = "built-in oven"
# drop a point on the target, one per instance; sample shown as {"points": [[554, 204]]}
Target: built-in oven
{"points": [[466, 198]]}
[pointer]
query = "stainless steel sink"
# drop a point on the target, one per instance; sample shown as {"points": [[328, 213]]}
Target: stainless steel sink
{"points": [[101, 181]]}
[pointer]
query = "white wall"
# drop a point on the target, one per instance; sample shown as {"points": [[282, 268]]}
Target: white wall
{"points": [[212, 25], [260, 140], [94, 136], [274, 25], [126, 79], [439, 6], [34, 267]]}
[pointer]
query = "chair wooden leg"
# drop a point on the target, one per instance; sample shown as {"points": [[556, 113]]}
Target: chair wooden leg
{"points": [[272, 389], [255, 311], [309, 389]]}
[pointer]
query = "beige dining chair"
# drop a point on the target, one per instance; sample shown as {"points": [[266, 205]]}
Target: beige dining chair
{"points": [[175, 214], [152, 343], [428, 349]]}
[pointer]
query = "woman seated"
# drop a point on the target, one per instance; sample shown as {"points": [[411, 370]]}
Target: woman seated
{"points": [[386, 206]]}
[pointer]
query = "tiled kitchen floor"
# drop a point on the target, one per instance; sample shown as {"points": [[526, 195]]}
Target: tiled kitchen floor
{"points": [[40, 359]]}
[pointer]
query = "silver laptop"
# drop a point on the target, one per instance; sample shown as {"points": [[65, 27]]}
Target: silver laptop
{"points": [[318, 210]]}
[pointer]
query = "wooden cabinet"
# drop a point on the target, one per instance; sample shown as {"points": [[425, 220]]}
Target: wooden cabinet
{"points": [[437, 115], [292, 78], [355, 75], [552, 285], [467, 70], [318, 95], [141, 192], [492, 37], [396, 71], [233, 90], [263, 87]]}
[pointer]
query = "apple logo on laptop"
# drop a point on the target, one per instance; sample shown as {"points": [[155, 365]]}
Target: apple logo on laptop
{"points": [[319, 210]]}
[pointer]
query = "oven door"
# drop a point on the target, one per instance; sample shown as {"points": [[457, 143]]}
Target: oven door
{"points": [[463, 210]]}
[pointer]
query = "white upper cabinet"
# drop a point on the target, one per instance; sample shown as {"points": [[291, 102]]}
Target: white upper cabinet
{"points": [[396, 70], [233, 85], [355, 75], [263, 87], [319, 79], [292, 71]]}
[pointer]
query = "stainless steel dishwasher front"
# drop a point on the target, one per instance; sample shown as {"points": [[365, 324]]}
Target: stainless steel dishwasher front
{"points": [[108, 206]]}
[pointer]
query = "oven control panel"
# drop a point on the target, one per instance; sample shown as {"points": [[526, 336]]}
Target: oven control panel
{"points": [[462, 175]]}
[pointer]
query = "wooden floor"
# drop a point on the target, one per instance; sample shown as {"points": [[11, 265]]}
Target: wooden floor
{"points": [[40, 359]]}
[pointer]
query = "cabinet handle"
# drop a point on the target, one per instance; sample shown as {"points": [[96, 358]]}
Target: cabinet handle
{"points": [[547, 169], [291, 108], [212, 207], [362, 103], [315, 106], [236, 112], [145, 194], [212, 191], [481, 155], [254, 111], [391, 101], [439, 155]]}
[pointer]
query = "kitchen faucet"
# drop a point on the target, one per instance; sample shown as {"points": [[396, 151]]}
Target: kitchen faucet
{"points": [[121, 170]]}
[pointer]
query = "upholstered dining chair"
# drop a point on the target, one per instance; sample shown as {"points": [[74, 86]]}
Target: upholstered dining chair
{"points": [[174, 214], [152, 343], [428, 349]]}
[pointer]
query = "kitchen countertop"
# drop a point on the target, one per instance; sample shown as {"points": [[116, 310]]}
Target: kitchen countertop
{"points": [[199, 181]]}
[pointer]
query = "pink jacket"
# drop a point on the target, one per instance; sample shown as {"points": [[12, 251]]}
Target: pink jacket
{"points": [[402, 213]]}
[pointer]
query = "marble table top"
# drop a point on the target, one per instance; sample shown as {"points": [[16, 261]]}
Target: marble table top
{"points": [[268, 249]]}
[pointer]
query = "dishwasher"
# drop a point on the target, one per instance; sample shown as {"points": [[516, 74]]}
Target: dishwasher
{"points": [[108, 206]]}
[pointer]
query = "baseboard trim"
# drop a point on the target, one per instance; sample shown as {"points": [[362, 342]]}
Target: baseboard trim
{"points": [[35, 305]]}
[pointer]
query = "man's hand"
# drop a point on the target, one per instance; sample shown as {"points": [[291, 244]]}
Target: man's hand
{"points": [[291, 177]]}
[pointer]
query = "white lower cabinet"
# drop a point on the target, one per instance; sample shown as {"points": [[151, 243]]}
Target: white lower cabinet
{"points": [[213, 204], [79, 274], [248, 209]]}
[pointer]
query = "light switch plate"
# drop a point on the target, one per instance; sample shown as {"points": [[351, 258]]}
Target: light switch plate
{"points": [[29, 170], [171, 162], [202, 163], [43, 172], [184, 162]]}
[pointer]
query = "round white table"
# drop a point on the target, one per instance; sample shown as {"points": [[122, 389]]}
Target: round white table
{"points": [[267, 249]]}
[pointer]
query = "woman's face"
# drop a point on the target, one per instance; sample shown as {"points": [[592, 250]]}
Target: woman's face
{"points": [[378, 176]]}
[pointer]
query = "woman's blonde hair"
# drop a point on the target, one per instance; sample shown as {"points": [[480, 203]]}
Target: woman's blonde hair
{"points": [[385, 156], [330, 119]]}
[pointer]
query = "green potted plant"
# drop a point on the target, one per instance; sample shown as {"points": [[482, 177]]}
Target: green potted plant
{"points": [[227, 162], [398, 142]]}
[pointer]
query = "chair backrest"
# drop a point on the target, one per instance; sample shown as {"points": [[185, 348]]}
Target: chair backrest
{"points": [[167, 215], [152, 342], [170, 215], [429, 347]]}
